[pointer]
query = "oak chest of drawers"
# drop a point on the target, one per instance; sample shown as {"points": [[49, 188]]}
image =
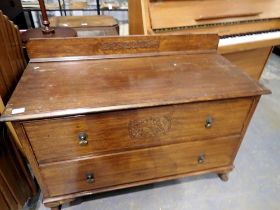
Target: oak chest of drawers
{"points": [[101, 114]]}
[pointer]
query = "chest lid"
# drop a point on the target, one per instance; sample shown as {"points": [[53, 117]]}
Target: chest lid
{"points": [[88, 75]]}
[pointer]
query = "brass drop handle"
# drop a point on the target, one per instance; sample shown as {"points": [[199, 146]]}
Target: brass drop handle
{"points": [[209, 122], [83, 138], [201, 159], [90, 177]]}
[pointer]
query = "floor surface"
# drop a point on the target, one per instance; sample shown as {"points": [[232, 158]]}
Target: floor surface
{"points": [[253, 185]]}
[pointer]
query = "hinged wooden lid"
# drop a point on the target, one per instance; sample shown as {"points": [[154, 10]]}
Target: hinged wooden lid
{"points": [[83, 21], [125, 77]]}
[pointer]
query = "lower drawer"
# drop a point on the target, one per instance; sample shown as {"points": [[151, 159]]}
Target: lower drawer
{"points": [[138, 165]]}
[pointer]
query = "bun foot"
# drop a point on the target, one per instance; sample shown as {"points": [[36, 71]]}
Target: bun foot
{"points": [[223, 176], [56, 207]]}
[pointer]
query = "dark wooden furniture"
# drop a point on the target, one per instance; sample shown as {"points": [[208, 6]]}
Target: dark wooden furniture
{"points": [[16, 183], [36, 33], [248, 29], [11, 56], [46, 31], [101, 114], [88, 26], [13, 9]]}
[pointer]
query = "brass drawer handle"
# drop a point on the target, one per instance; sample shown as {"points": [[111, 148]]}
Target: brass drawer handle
{"points": [[83, 138], [90, 178], [209, 122], [201, 159]]}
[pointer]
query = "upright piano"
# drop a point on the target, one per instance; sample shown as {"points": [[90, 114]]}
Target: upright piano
{"points": [[248, 29]]}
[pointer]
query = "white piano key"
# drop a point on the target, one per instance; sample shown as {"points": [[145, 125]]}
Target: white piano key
{"points": [[249, 38]]}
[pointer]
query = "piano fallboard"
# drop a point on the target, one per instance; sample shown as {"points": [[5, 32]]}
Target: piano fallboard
{"points": [[213, 14]]}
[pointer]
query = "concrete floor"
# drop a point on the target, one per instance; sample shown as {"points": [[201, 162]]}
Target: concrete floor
{"points": [[253, 185]]}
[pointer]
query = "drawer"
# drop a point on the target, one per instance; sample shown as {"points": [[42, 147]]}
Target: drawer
{"points": [[58, 139], [139, 165]]}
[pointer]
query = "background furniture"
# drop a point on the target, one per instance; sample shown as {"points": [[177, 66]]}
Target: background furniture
{"points": [[73, 9], [88, 26], [16, 183], [13, 9], [145, 109], [12, 59], [248, 29], [46, 31]]}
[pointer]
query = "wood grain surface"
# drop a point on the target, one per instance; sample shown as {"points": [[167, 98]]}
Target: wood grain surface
{"points": [[177, 15], [143, 103], [3, 202], [246, 60], [115, 45], [16, 183], [83, 21], [9, 201], [114, 84], [225, 18], [12, 61], [133, 166], [142, 128]]}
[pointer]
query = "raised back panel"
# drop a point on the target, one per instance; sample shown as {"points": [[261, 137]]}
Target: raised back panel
{"points": [[76, 47]]}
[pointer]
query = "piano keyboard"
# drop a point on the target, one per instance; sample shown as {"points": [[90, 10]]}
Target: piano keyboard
{"points": [[247, 38]]}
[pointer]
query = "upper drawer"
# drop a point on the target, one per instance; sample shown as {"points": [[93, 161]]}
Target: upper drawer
{"points": [[58, 139]]}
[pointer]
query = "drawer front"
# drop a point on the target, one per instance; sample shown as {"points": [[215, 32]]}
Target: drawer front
{"points": [[139, 165], [58, 139]]}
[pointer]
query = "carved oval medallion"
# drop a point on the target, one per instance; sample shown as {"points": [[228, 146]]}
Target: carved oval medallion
{"points": [[132, 44], [149, 127]]}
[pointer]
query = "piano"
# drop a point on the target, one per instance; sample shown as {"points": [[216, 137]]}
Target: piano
{"points": [[248, 29]]}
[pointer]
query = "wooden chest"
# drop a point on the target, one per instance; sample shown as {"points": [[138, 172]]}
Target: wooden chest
{"points": [[88, 26], [95, 115]]}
